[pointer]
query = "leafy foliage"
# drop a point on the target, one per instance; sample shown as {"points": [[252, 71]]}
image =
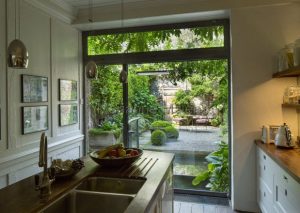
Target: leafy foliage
{"points": [[158, 137], [106, 96], [141, 100], [217, 170], [106, 128], [156, 40], [160, 124], [184, 101]]}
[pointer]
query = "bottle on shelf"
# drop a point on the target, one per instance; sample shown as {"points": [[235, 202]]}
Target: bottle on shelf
{"points": [[297, 53]]}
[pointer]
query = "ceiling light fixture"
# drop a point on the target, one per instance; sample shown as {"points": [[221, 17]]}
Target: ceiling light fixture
{"points": [[17, 53], [91, 66]]}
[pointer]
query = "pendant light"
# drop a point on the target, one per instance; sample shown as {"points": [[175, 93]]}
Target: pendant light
{"points": [[17, 52], [91, 66]]}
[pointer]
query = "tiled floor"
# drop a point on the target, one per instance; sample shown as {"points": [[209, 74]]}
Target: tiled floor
{"points": [[200, 204]]}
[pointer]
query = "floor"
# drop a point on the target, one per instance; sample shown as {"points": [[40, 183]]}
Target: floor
{"points": [[200, 204]]}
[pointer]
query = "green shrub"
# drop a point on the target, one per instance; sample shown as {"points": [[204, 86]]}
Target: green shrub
{"points": [[171, 132], [184, 101], [160, 124], [158, 137], [106, 128]]}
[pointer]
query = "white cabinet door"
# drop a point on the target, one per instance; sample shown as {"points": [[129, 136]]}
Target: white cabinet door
{"points": [[265, 176], [286, 192], [277, 191]]}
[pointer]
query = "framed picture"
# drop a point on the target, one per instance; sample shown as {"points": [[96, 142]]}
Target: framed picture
{"points": [[35, 119], [34, 89], [67, 90], [68, 114]]}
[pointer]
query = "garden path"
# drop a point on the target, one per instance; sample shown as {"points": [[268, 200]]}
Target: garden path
{"points": [[191, 138]]}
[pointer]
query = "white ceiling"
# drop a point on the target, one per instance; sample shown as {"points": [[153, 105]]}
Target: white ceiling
{"points": [[80, 4], [106, 13]]}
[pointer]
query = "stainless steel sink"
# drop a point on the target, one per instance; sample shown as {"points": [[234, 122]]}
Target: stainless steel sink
{"points": [[98, 194], [112, 185], [86, 201]]}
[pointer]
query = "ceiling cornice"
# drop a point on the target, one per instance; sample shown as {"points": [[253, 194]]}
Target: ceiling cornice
{"points": [[56, 8]]}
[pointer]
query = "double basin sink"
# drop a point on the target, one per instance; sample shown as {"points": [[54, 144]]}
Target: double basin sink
{"points": [[98, 194]]}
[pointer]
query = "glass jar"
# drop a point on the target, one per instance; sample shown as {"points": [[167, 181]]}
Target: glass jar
{"points": [[291, 95], [285, 57], [297, 53]]}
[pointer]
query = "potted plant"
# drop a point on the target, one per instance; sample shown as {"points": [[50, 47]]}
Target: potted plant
{"points": [[105, 135]]}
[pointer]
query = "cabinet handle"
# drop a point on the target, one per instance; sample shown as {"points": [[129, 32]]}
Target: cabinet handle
{"points": [[264, 194], [284, 177], [264, 157], [285, 192], [276, 197], [264, 167]]}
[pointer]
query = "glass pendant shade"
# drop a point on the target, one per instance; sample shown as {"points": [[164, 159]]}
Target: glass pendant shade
{"points": [[17, 55], [91, 69]]}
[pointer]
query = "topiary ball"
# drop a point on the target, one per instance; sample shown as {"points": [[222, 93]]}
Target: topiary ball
{"points": [[158, 137], [171, 132], [160, 123]]}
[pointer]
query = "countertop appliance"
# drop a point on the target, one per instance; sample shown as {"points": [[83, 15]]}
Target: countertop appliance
{"points": [[268, 133], [284, 137]]}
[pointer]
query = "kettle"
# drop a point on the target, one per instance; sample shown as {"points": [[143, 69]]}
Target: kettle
{"points": [[284, 137]]}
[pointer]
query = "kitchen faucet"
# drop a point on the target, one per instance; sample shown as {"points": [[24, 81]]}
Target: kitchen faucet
{"points": [[45, 185]]}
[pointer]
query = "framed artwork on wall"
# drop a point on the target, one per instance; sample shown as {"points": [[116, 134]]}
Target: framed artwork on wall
{"points": [[68, 114], [34, 119], [67, 90], [34, 89]]}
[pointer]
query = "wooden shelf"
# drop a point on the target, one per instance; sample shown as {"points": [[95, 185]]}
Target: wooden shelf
{"points": [[297, 106], [292, 72]]}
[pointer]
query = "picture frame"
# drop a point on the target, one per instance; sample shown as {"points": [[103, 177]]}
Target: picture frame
{"points": [[67, 90], [34, 88], [34, 119], [68, 114]]}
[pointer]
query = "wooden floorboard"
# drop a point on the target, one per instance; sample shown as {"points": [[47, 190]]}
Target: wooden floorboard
{"points": [[197, 208], [189, 207]]}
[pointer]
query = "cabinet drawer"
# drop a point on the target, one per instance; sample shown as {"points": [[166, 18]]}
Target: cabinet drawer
{"points": [[284, 201], [265, 197], [265, 169], [287, 191]]}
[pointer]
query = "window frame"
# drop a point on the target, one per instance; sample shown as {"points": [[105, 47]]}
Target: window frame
{"points": [[159, 56]]}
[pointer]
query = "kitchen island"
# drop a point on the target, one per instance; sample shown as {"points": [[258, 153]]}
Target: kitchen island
{"points": [[22, 197]]}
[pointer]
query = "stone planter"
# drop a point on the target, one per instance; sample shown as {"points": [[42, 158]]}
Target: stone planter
{"points": [[102, 140]]}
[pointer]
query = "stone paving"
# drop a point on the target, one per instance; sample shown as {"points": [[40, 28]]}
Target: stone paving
{"points": [[191, 139]]}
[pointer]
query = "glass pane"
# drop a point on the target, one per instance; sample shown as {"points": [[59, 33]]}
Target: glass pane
{"points": [[175, 39], [189, 105], [105, 107]]}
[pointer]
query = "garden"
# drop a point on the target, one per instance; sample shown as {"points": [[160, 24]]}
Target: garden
{"points": [[202, 103]]}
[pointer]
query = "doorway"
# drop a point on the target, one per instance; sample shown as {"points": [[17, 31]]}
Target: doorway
{"points": [[178, 79]]}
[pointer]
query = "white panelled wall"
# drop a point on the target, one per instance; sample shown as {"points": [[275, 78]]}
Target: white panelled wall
{"points": [[54, 52]]}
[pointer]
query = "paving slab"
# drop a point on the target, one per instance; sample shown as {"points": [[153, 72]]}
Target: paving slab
{"points": [[191, 139]]}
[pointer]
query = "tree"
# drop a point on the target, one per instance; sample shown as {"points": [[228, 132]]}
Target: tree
{"points": [[106, 94]]}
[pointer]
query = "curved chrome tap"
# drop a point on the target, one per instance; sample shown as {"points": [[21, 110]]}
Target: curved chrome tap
{"points": [[45, 185]]}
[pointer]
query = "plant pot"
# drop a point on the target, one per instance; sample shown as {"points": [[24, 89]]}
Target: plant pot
{"points": [[102, 140]]}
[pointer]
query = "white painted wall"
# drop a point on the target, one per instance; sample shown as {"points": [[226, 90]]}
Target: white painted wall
{"points": [[257, 35], [54, 52]]}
